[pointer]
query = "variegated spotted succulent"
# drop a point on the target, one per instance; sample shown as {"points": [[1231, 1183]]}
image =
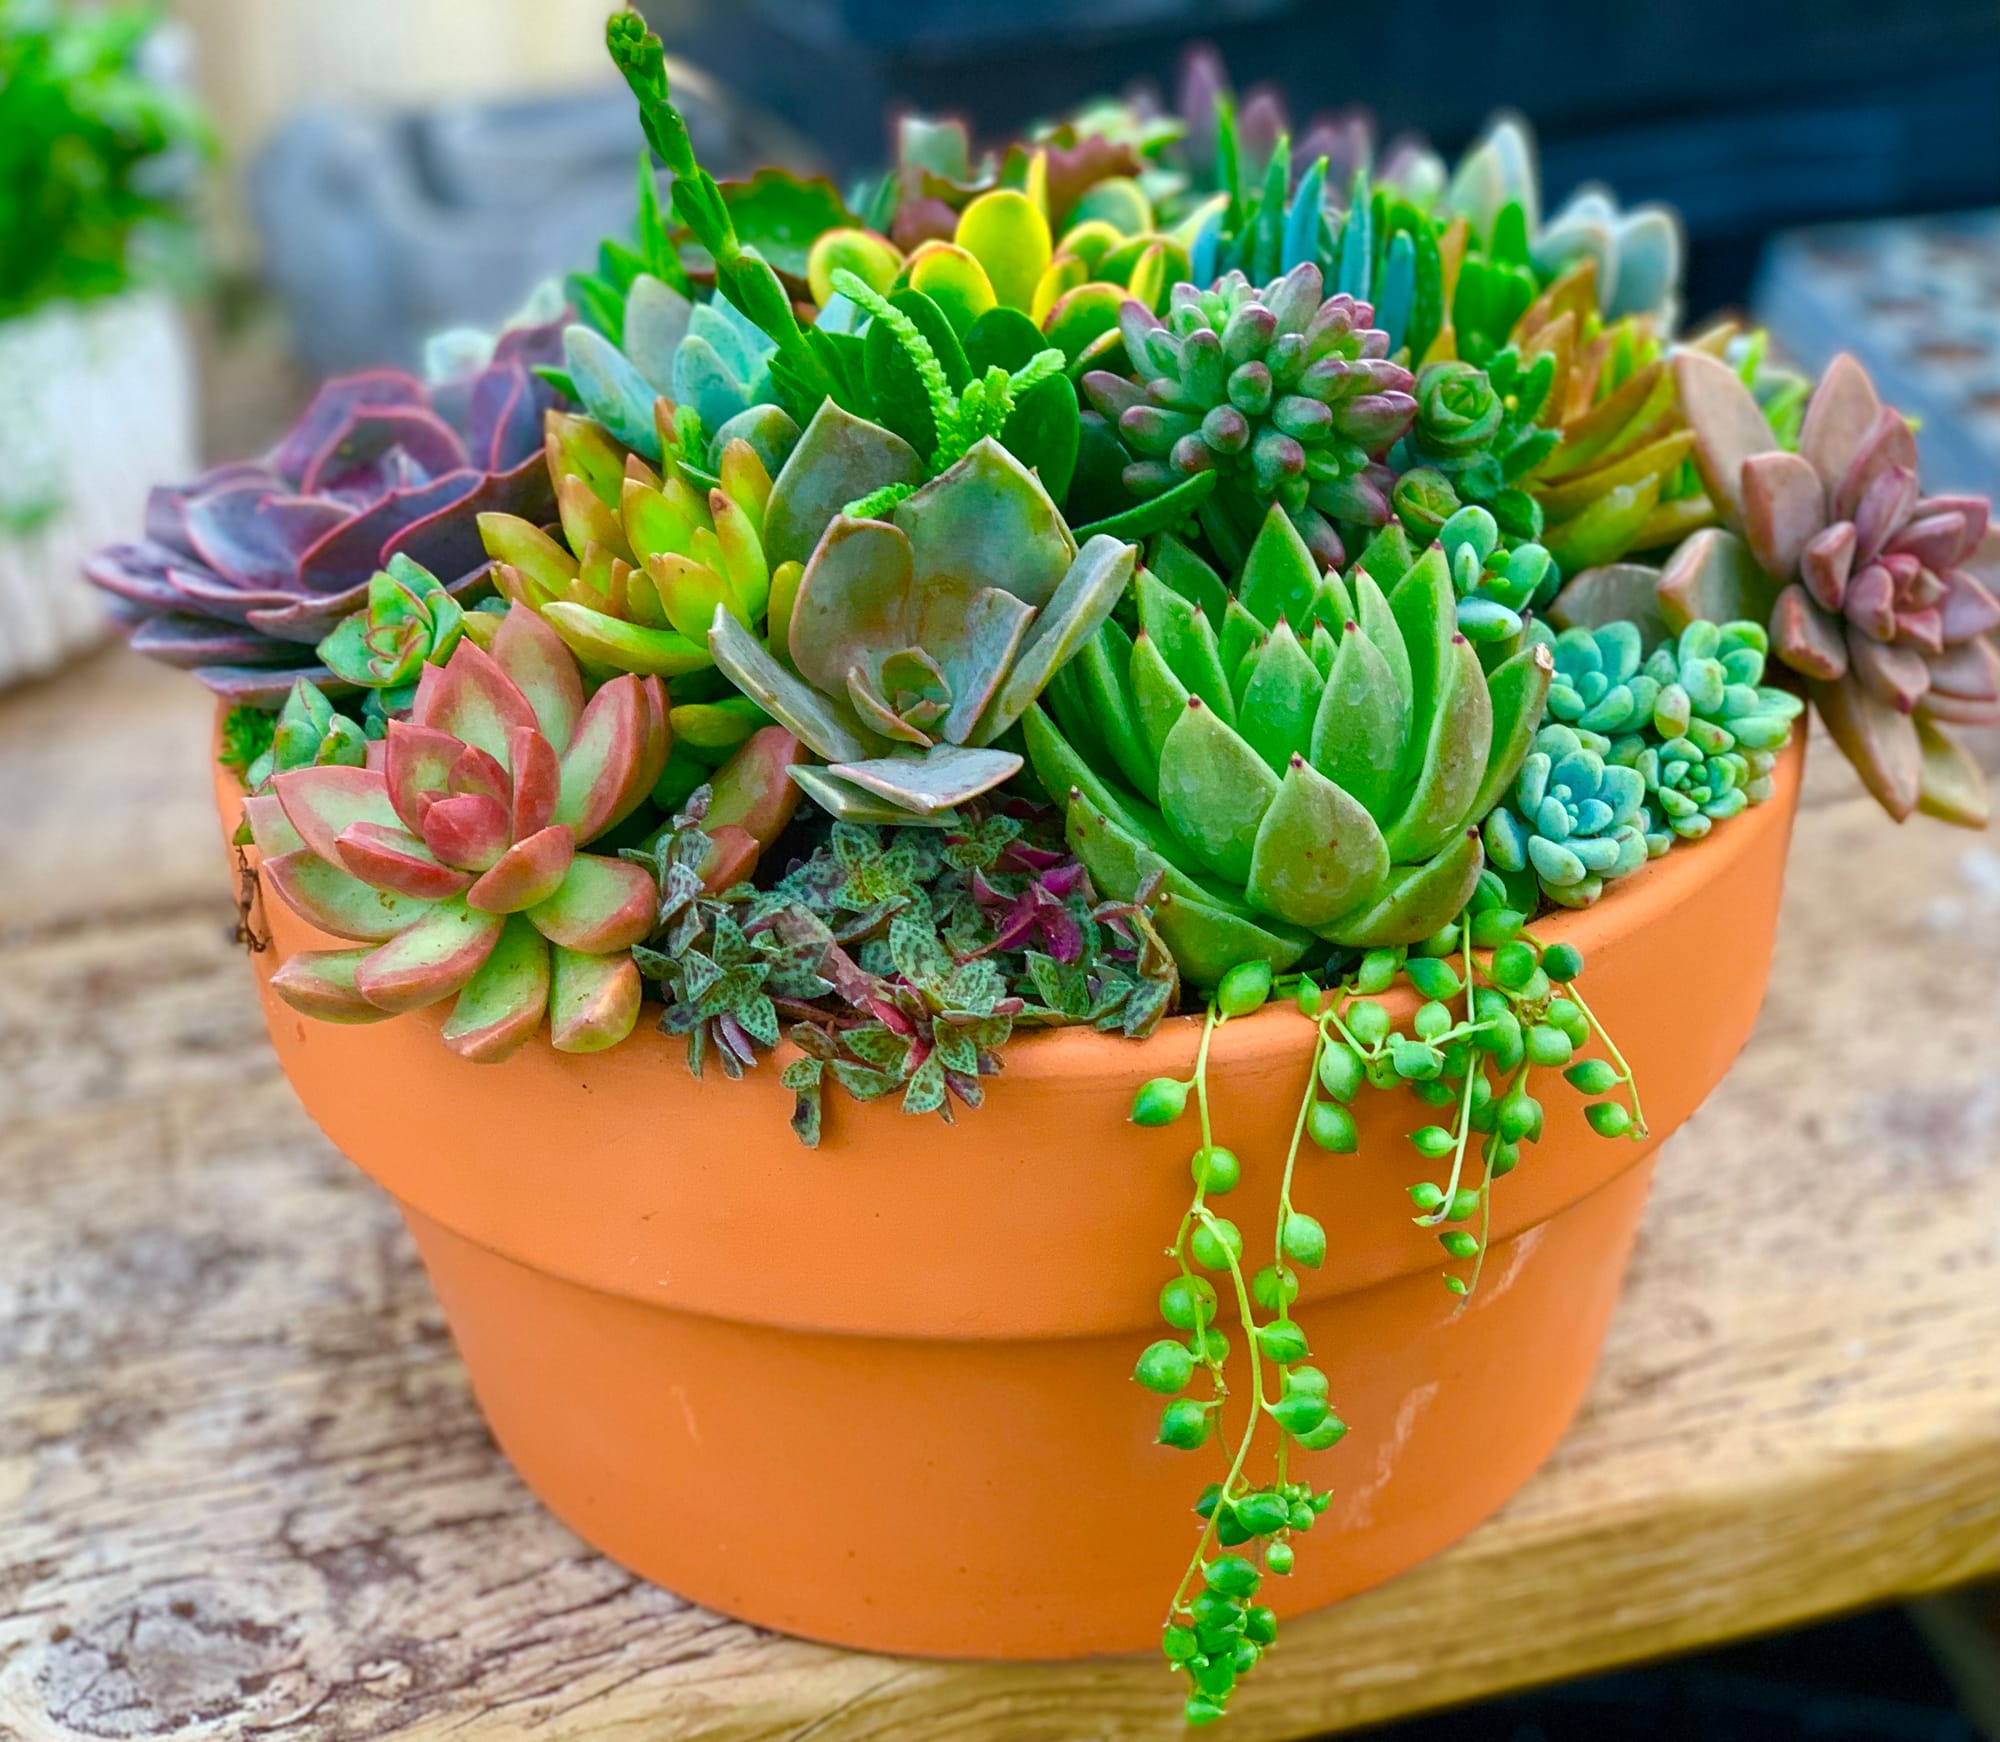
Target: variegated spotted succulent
{"points": [[916, 641], [454, 859], [1313, 769], [1878, 609]]}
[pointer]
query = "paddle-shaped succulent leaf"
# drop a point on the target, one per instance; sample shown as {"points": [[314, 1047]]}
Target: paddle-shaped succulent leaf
{"points": [[1879, 611], [453, 859], [917, 640], [1314, 768]]}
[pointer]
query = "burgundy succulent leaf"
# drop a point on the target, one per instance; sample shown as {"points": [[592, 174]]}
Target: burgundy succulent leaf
{"points": [[242, 572]]}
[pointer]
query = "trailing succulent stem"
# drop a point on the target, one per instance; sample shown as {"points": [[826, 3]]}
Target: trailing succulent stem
{"points": [[1506, 1008]]}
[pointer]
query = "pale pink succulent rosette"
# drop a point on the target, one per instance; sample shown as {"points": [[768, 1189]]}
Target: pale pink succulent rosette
{"points": [[1879, 610], [453, 857]]}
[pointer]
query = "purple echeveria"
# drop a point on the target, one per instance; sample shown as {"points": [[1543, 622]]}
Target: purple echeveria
{"points": [[241, 573]]}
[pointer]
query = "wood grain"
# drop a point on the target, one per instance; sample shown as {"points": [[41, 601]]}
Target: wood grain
{"points": [[245, 1493]]}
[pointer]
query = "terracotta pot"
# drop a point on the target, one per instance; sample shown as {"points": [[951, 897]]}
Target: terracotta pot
{"points": [[865, 1393]]}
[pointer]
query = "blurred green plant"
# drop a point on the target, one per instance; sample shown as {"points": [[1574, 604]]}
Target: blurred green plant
{"points": [[95, 155]]}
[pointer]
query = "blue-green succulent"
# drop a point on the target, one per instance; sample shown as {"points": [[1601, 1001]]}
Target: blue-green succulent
{"points": [[1710, 739], [1573, 822]]}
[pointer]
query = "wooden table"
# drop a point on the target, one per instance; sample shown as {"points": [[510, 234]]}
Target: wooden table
{"points": [[244, 1491]]}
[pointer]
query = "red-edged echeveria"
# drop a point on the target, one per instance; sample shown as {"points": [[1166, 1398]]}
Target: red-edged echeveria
{"points": [[243, 572], [453, 858]]}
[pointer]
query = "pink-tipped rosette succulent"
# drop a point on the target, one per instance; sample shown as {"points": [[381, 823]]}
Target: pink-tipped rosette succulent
{"points": [[1878, 609], [453, 860], [241, 574]]}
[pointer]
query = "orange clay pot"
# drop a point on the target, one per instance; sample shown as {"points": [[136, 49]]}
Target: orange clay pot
{"points": [[879, 1393]]}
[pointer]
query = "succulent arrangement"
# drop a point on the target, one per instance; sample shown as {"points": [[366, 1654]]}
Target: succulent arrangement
{"points": [[1148, 567]]}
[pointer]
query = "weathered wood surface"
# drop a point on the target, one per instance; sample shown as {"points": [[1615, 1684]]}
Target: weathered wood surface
{"points": [[244, 1491]]}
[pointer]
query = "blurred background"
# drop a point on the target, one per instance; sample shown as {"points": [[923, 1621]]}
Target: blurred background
{"points": [[330, 181]]}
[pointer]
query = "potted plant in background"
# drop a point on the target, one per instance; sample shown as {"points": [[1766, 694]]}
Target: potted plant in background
{"points": [[1128, 677], [97, 148]]}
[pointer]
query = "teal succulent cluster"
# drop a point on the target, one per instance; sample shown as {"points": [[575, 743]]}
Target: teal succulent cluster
{"points": [[1638, 752]]}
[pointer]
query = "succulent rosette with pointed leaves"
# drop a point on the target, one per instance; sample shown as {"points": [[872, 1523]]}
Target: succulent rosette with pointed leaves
{"points": [[1878, 609], [1315, 769], [1637, 254], [918, 640], [1288, 397], [646, 558], [454, 859], [242, 573], [309, 732], [409, 621]]}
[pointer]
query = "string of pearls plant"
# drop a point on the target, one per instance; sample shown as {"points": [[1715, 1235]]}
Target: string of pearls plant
{"points": [[1499, 1010]]}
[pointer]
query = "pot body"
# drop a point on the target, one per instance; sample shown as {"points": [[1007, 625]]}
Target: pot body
{"points": [[879, 1393], [97, 404]]}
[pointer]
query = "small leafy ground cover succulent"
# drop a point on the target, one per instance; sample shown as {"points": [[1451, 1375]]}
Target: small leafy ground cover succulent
{"points": [[1149, 567]]}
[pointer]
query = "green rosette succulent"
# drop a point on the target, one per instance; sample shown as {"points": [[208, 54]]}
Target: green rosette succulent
{"points": [[310, 732], [917, 640], [410, 621], [646, 558], [1311, 772], [1476, 435], [1281, 395], [1573, 822], [708, 358]]}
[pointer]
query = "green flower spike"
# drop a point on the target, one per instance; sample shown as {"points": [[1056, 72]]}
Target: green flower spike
{"points": [[1573, 823], [918, 640], [410, 621], [1313, 770]]}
